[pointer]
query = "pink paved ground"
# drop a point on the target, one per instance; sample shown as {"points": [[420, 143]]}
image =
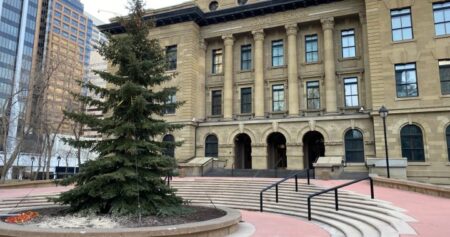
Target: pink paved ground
{"points": [[275, 225], [432, 213]]}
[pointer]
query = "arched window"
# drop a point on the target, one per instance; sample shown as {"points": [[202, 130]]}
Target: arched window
{"points": [[448, 142], [211, 146], [354, 146], [412, 143], [169, 151]]}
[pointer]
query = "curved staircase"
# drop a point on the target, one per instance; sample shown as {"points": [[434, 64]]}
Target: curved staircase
{"points": [[358, 215]]}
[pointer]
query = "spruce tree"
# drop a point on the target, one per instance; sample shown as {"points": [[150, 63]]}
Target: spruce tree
{"points": [[127, 177]]}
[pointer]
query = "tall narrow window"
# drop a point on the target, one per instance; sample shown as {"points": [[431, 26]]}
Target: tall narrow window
{"points": [[348, 43], [311, 48], [246, 100], [217, 55], [171, 56], [401, 24], [277, 98], [442, 18], [406, 80], [170, 103], [351, 92], [216, 103], [444, 73], [313, 95], [277, 53], [169, 141], [246, 57], [448, 141], [211, 146], [412, 143], [354, 146]]}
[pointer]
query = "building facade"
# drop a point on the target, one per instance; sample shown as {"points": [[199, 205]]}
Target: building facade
{"points": [[64, 50], [280, 83]]}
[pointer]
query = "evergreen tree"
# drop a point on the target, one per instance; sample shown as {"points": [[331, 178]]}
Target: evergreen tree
{"points": [[128, 172]]}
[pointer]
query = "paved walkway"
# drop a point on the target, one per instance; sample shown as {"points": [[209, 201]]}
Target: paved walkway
{"points": [[432, 213]]}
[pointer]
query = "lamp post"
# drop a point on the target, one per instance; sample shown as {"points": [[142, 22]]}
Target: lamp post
{"points": [[32, 162], [383, 114], [57, 171]]}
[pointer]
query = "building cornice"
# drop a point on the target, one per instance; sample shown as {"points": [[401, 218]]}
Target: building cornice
{"points": [[194, 13]]}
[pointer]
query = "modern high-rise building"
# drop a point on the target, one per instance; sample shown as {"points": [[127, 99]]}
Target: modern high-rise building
{"points": [[17, 29], [65, 50], [97, 63], [277, 84]]}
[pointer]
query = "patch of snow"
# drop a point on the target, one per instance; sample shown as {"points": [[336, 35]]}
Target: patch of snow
{"points": [[77, 222]]}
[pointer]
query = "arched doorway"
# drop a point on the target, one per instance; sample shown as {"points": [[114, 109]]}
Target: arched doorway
{"points": [[243, 151], [313, 148], [276, 151]]}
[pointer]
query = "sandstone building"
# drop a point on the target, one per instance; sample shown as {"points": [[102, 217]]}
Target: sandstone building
{"points": [[279, 83]]}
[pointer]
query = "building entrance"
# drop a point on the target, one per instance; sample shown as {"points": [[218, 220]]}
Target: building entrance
{"points": [[313, 148], [243, 151], [276, 151]]}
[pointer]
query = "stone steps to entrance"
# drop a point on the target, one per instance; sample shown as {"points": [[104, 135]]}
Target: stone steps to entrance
{"points": [[358, 215]]}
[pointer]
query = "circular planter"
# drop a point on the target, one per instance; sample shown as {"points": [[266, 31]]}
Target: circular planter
{"points": [[218, 227]]}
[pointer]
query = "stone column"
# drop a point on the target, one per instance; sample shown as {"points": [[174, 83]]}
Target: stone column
{"points": [[365, 40], [329, 64], [259, 99], [291, 31], [228, 78], [201, 92]]}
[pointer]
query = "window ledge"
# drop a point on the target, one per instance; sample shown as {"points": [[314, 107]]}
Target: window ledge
{"points": [[311, 63], [448, 164], [246, 71], [277, 67], [404, 41], [442, 36], [171, 71], [216, 74], [215, 116], [445, 96], [416, 163], [170, 115], [245, 114], [313, 110], [349, 59], [408, 98], [284, 112]]}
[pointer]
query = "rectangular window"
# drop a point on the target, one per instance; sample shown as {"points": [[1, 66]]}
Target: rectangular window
{"points": [[217, 59], [216, 101], [67, 10], [348, 43], [172, 100], [58, 6], [246, 100], [444, 73], [351, 92], [171, 57], [406, 80], [441, 13], [67, 19], [401, 24], [57, 14], [313, 95], [311, 48], [277, 53], [246, 57], [277, 98]]}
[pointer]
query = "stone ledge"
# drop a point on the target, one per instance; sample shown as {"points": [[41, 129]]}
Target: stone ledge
{"points": [[428, 189], [219, 227], [29, 184]]}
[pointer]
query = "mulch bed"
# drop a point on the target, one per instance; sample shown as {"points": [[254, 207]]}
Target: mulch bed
{"points": [[192, 214]]}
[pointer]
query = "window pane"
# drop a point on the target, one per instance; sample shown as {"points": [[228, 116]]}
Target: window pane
{"points": [[438, 16], [406, 21], [407, 34], [396, 23]]}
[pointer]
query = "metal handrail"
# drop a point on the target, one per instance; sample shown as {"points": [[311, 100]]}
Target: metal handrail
{"points": [[335, 189], [278, 183]]}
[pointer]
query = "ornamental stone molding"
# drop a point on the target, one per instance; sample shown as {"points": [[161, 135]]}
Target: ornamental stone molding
{"points": [[327, 23]]}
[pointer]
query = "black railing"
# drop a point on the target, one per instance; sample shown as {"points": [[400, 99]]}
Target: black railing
{"points": [[296, 175], [335, 189]]}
